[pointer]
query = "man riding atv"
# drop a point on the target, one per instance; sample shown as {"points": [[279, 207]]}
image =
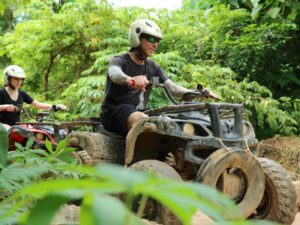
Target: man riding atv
{"points": [[128, 76], [204, 142]]}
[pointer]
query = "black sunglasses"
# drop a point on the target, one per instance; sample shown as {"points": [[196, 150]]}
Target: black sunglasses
{"points": [[150, 38]]}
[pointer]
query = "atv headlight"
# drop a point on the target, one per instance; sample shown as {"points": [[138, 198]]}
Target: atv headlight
{"points": [[188, 128], [39, 136]]}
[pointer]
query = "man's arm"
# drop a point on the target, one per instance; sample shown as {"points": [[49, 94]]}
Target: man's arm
{"points": [[179, 91], [175, 89], [117, 76]]}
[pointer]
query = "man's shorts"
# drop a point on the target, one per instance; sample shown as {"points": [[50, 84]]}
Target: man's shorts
{"points": [[115, 119]]}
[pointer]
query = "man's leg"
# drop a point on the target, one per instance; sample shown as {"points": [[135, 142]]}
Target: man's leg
{"points": [[121, 119], [134, 118]]}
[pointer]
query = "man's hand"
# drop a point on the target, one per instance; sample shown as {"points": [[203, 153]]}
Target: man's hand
{"points": [[213, 95], [138, 82]]}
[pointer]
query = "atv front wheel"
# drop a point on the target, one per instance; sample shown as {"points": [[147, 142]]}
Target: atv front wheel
{"points": [[279, 201], [154, 210], [237, 174]]}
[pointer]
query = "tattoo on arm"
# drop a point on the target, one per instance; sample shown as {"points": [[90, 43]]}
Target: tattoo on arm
{"points": [[175, 89], [117, 76]]}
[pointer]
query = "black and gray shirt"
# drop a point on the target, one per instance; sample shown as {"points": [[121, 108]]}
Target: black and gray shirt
{"points": [[116, 94]]}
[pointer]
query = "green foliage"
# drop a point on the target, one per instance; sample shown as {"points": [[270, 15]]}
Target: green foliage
{"points": [[182, 198], [258, 56], [29, 165], [12, 3], [268, 116], [61, 151], [52, 44], [84, 96], [3, 146], [247, 48], [263, 9]]}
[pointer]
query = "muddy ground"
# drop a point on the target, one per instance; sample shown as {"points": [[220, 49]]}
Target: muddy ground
{"points": [[284, 150], [202, 219]]}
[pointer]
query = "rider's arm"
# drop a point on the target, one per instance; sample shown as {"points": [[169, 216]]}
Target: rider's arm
{"points": [[46, 106], [175, 89], [41, 105], [117, 76]]}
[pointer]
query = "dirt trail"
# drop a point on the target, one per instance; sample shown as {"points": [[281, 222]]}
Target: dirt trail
{"points": [[284, 150], [202, 219]]}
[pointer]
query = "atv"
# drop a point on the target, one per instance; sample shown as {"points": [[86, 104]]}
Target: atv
{"points": [[43, 128], [204, 142]]}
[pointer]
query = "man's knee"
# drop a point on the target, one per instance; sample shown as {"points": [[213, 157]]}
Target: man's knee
{"points": [[134, 118]]}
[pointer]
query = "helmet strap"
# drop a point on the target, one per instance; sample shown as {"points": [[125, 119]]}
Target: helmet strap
{"points": [[139, 53]]}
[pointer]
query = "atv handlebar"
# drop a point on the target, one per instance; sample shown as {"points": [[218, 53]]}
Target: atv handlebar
{"points": [[193, 107], [188, 96]]}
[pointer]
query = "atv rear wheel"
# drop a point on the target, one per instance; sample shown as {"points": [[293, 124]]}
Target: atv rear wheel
{"points": [[279, 200], [93, 148], [238, 174], [158, 213]]}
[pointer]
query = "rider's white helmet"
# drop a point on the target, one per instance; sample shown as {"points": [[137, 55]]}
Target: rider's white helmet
{"points": [[13, 71], [143, 26]]}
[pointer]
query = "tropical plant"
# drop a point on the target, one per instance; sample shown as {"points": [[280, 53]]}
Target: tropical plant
{"points": [[60, 56], [3, 146], [97, 206]]}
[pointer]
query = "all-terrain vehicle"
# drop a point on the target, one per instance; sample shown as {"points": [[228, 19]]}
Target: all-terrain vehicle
{"points": [[43, 128], [203, 142]]}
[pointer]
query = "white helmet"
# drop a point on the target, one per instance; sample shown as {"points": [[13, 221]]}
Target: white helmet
{"points": [[143, 26], [13, 71]]}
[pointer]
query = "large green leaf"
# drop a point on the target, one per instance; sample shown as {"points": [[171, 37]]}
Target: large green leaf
{"points": [[45, 209], [273, 12], [97, 210], [3, 145]]}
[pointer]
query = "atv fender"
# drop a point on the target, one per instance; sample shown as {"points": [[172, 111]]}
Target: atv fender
{"points": [[158, 125]]}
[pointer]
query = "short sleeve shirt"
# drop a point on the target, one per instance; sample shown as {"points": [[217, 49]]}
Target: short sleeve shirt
{"points": [[116, 94], [11, 118]]}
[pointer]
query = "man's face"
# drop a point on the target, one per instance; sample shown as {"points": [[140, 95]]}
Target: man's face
{"points": [[149, 44]]}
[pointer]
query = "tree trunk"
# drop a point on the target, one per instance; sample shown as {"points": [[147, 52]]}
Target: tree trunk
{"points": [[47, 72]]}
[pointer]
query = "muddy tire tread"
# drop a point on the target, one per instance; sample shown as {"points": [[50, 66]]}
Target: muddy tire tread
{"points": [[287, 207]]}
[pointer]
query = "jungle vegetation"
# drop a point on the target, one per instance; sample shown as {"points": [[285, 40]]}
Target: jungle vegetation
{"points": [[246, 51]]}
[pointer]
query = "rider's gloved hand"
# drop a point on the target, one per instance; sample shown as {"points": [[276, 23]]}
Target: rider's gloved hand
{"points": [[59, 107]]}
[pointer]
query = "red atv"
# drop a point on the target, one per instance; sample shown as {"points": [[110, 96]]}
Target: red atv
{"points": [[45, 128], [38, 131]]}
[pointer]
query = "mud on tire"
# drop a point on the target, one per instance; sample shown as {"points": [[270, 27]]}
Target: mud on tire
{"points": [[155, 211], [238, 174], [279, 200], [93, 148]]}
